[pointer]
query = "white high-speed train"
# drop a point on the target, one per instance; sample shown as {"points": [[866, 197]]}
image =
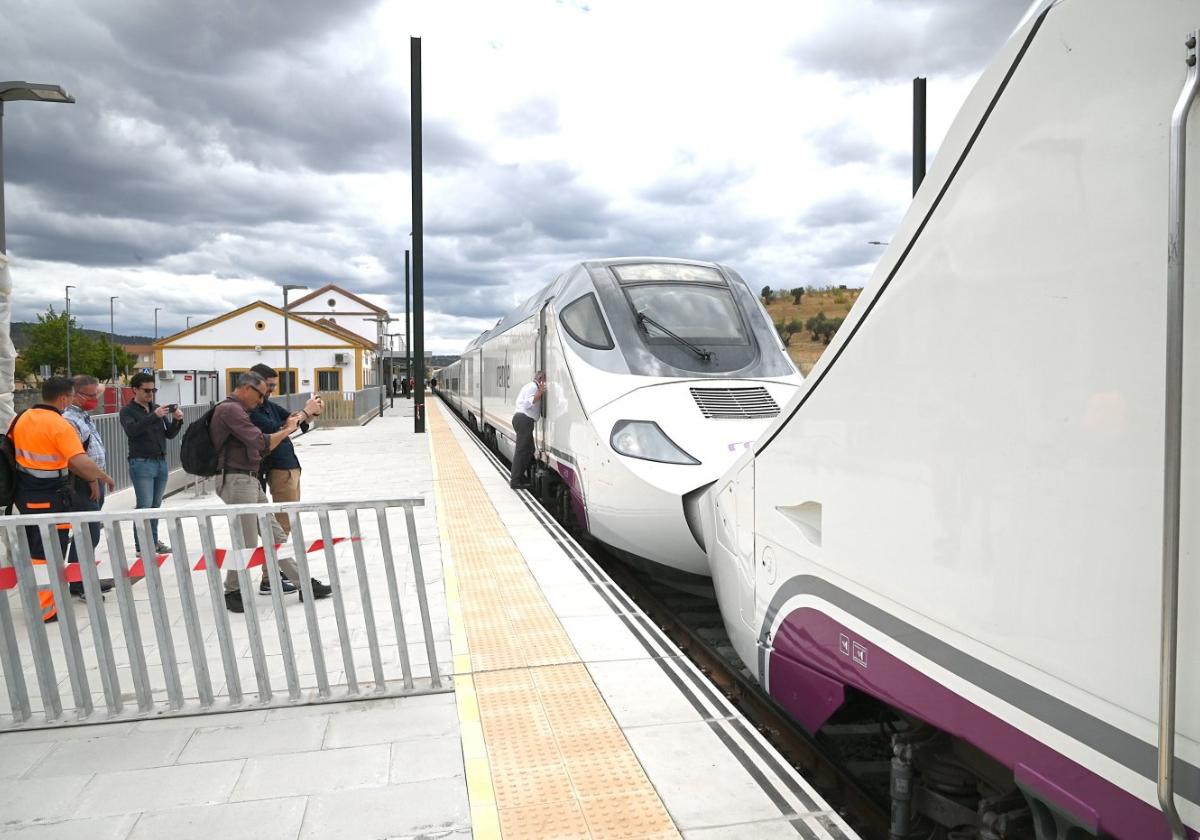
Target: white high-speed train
{"points": [[961, 514], [660, 373]]}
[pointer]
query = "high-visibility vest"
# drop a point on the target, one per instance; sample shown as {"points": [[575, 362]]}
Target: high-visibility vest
{"points": [[45, 442]]}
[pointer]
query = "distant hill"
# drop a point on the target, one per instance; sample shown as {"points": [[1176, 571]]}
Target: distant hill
{"points": [[20, 335], [835, 303]]}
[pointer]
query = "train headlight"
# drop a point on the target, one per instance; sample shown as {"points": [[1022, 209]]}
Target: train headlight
{"points": [[644, 439]]}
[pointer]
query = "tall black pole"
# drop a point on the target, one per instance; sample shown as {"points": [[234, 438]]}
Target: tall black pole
{"points": [[918, 132], [418, 221], [407, 327]]}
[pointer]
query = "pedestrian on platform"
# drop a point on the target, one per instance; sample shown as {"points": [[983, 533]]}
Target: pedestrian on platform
{"points": [[281, 468], [48, 451], [89, 495], [241, 447], [529, 409], [149, 426]]}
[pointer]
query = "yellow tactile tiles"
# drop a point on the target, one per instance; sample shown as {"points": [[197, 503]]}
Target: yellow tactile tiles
{"points": [[545, 758]]}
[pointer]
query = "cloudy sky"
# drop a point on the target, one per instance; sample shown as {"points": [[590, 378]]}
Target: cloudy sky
{"points": [[219, 148]]}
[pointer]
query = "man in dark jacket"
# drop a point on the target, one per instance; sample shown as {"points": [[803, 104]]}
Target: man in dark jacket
{"points": [[148, 427]]}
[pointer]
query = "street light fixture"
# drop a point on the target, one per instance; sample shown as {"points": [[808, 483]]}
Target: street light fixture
{"points": [[285, 380], [15, 92], [380, 322], [69, 288], [112, 348]]}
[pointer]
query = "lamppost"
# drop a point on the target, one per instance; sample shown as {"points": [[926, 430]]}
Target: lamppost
{"points": [[13, 92], [287, 355], [380, 322], [69, 288], [112, 348], [189, 322], [407, 324], [392, 367]]}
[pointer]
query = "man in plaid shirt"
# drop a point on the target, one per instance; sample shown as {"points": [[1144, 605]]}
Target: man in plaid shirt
{"points": [[89, 495]]}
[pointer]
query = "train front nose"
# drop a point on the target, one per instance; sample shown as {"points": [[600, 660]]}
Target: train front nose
{"points": [[665, 445]]}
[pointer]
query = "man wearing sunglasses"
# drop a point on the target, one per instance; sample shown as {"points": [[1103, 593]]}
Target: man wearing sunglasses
{"points": [[148, 427], [241, 447]]}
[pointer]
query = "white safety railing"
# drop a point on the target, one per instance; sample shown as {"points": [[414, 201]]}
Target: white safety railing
{"points": [[343, 649]]}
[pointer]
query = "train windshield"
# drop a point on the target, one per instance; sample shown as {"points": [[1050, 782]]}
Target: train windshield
{"points": [[699, 313]]}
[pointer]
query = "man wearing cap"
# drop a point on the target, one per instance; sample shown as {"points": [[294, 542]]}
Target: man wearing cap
{"points": [[48, 451]]}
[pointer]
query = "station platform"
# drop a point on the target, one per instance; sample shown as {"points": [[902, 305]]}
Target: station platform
{"points": [[567, 713]]}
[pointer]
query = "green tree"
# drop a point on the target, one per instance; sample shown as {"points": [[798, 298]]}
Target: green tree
{"points": [[766, 295], [787, 330], [816, 326], [47, 345], [797, 293]]}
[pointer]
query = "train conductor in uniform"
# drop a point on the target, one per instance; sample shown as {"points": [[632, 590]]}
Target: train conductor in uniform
{"points": [[529, 409], [48, 450]]}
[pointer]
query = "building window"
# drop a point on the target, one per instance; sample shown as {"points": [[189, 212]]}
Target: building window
{"points": [[260, 325], [331, 302], [287, 381], [329, 379], [203, 385], [231, 376]]}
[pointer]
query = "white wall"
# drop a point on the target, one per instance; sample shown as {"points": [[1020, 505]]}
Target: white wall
{"points": [[347, 313], [305, 362]]}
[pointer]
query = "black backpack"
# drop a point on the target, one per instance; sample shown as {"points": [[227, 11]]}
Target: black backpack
{"points": [[197, 453], [8, 467]]}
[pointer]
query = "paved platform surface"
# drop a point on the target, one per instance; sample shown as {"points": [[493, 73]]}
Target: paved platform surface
{"points": [[570, 715]]}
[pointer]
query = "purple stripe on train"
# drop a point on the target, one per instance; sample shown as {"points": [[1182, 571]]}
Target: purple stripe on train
{"points": [[814, 657], [571, 479]]}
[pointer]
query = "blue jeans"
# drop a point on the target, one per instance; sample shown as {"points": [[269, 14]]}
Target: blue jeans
{"points": [[149, 477]]}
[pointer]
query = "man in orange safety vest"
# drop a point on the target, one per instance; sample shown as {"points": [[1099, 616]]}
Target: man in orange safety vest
{"points": [[48, 450]]}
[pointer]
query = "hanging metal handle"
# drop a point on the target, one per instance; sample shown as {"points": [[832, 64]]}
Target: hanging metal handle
{"points": [[1173, 443]]}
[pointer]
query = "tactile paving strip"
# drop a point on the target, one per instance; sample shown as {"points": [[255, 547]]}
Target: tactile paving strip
{"points": [[557, 763]]}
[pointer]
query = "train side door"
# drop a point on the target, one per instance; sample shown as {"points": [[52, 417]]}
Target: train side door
{"points": [[540, 362]]}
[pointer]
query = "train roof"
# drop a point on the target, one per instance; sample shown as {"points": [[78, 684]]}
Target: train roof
{"points": [[552, 289]]}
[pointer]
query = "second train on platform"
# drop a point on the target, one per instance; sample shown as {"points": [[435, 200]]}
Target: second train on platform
{"points": [[660, 373]]}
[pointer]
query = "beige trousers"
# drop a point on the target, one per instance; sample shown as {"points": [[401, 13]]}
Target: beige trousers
{"points": [[236, 489], [285, 487]]}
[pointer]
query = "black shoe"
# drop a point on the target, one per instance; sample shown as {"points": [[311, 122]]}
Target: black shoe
{"points": [[107, 586], [320, 590], [82, 596], [264, 587], [233, 602], [162, 548], [520, 485]]}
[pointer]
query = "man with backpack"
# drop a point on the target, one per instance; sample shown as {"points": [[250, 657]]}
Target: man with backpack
{"points": [[46, 451], [240, 447]]}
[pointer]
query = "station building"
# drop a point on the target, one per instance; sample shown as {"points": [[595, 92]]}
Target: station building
{"points": [[201, 364]]}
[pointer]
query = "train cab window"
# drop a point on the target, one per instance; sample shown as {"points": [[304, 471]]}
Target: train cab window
{"points": [[698, 312], [585, 324]]}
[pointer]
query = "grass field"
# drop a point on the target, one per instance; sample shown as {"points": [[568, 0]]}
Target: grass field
{"points": [[835, 303]]}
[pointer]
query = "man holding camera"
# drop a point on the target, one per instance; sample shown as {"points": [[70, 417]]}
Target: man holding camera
{"points": [[281, 468], [148, 427]]}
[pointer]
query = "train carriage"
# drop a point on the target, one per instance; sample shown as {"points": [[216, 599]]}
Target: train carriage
{"points": [[660, 373]]}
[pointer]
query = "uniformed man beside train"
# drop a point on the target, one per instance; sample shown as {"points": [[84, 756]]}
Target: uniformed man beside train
{"points": [[48, 450]]}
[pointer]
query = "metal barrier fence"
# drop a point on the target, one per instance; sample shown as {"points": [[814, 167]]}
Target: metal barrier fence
{"points": [[236, 642], [350, 407], [116, 443]]}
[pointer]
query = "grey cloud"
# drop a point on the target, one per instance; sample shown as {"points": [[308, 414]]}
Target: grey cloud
{"points": [[890, 40], [847, 209], [844, 143], [694, 184], [532, 117]]}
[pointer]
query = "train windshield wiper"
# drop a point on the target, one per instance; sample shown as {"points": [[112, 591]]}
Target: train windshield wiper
{"points": [[643, 319]]}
